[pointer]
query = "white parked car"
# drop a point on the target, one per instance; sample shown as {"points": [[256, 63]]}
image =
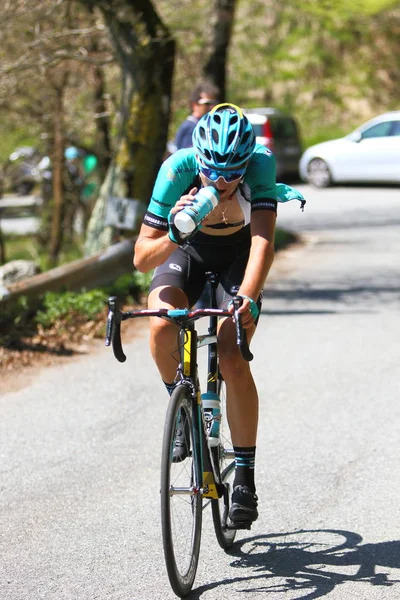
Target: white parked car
{"points": [[369, 154]]}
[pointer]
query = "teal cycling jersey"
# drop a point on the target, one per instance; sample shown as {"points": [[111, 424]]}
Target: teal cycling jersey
{"points": [[180, 172]]}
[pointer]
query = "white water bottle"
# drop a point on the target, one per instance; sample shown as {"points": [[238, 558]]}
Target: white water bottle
{"points": [[187, 219], [212, 413]]}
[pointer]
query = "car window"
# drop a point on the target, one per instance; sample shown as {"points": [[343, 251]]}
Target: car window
{"points": [[258, 129], [283, 128], [379, 130], [396, 128]]}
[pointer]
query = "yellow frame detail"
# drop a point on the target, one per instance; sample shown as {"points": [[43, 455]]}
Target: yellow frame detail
{"points": [[187, 353], [209, 481]]}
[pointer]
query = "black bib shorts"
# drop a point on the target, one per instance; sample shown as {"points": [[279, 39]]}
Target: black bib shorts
{"points": [[225, 256]]}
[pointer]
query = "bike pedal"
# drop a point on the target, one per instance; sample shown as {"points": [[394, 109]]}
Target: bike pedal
{"points": [[240, 525]]}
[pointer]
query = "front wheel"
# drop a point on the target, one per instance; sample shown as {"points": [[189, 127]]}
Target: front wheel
{"points": [[181, 499], [318, 173], [224, 459]]}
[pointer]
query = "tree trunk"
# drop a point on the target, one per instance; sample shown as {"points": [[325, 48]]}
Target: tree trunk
{"points": [[145, 51], [214, 68], [58, 188], [103, 145], [2, 248]]}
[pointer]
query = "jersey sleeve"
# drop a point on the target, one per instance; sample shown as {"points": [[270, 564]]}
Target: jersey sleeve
{"points": [[173, 180], [261, 179]]}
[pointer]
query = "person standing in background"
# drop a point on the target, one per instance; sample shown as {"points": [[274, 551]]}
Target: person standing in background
{"points": [[204, 96]]}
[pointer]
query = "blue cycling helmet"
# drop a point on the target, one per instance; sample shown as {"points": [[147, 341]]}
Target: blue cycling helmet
{"points": [[224, 138]]}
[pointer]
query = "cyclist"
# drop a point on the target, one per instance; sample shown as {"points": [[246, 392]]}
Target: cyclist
{"points": [[235, 240]]}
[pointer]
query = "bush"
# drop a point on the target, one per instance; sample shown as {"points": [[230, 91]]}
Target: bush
{"points": [[16, 320], [131, 287], [66, 306]]}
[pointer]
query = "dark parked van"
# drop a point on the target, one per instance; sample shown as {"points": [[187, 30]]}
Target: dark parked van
{"points": [[280, 133]]}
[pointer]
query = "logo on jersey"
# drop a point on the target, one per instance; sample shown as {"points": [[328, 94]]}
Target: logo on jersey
{"points": [[175, 267], [171, 175], [156, 201]]}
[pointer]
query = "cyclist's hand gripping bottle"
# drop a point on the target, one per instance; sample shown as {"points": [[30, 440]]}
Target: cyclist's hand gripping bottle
{"points": [[212, 413], [190, 217]]}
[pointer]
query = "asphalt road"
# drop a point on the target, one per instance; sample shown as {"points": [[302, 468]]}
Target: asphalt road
{"points": [[80, 447]]}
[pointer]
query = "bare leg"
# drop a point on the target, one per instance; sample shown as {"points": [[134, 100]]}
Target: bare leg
{"points": [[242, 397], [163, 335]]}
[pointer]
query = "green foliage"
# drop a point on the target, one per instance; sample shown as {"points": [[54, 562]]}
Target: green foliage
{"points": [[26, 247], [123, 287], [12, 138], [332, 65], [328, 133], [67, 305], [130, 287], [68, 311], [143, 280], [15, 321], [344, 9]]}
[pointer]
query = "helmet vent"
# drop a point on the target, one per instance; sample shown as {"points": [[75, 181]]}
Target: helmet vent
{"points": [[215, 136], [202, 133], [221, 158], [234, 119], [207, 154], [217, 118], [231, 137]]}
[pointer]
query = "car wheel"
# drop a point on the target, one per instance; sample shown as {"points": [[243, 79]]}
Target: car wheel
{"points": [[318, 173]]}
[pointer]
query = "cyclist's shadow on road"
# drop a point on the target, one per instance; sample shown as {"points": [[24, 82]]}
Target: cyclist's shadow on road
{"points": [[307, 564]]}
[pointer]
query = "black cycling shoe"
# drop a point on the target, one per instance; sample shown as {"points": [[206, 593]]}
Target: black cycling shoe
{"points": [[181, 448], [243, 509]]}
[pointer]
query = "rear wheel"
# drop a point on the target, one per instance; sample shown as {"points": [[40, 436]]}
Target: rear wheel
{"points": [[318, 173], [223, 457], [181, 499]]}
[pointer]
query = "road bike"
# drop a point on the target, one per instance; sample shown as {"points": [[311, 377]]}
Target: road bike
{"points": [[205, 474]]}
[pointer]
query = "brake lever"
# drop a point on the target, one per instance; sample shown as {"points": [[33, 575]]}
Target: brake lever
{"points": [[113, 329], [241, 338]]}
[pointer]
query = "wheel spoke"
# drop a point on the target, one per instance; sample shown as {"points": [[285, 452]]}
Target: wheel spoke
{"points": [[224, 457], [181, 500]]}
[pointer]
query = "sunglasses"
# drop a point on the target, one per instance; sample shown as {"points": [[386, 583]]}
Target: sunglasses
{"points": [[227, 176], [207, 101]]}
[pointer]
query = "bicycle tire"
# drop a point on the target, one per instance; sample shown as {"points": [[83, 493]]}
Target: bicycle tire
{"points": [[223, 458], [181, 512]]}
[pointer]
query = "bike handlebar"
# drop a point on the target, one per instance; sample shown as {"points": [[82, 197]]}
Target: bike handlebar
{"points": [[115, 316]]}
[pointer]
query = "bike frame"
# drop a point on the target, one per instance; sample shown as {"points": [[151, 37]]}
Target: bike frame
{"points": [[207, 479]]}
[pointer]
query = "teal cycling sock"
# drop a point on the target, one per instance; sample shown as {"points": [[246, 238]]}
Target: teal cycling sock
{"points": [[245, 459]]}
